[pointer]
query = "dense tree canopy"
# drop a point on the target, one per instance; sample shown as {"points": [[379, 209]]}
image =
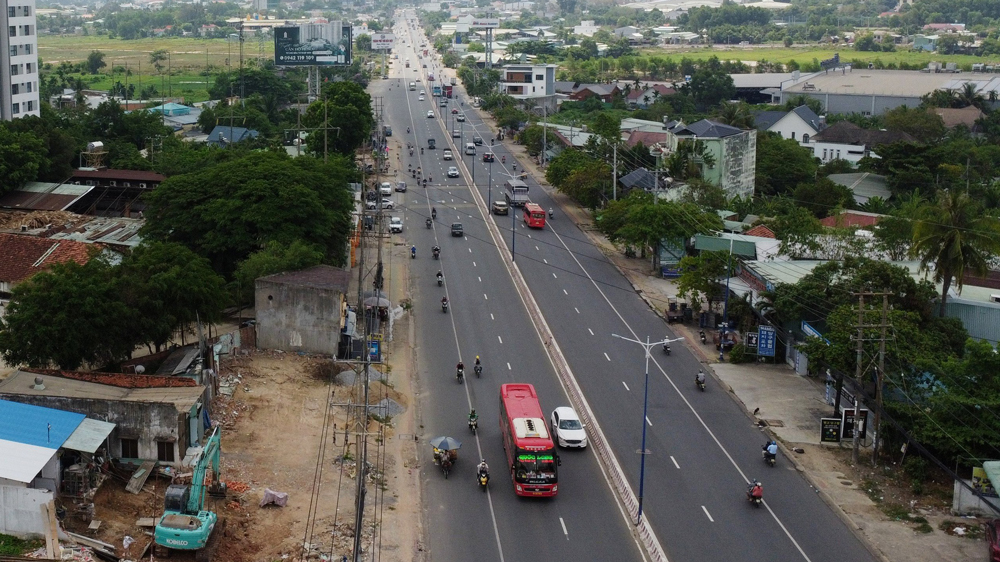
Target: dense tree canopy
{"points": [[228, 211]]}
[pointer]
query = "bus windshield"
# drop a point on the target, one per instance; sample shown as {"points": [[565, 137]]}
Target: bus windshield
{"points": [[535, 466]]}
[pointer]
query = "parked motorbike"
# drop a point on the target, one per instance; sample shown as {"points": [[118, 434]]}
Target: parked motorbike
{"points": [[701, 334]]}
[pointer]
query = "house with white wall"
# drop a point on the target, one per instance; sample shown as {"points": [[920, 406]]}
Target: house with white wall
{"points": [[799, 124]]}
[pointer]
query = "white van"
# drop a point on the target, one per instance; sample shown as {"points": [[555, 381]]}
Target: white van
{"points": [[470, 148], [413, 86]]}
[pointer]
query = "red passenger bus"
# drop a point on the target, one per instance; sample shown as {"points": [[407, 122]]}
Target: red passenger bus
{"points": [[534, 215], [531, 455]]}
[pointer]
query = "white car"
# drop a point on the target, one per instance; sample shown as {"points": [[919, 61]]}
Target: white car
{"points": [[395, 224], [452, 172], [385, 188], [430, 115], [568, 429], [460, 118], [420, 97], [447, 155], [387, 203], [423, 93]]}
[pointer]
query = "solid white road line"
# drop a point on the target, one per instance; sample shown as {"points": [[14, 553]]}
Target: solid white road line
{"points": [[672, 459], [707, 514], [626, 386]]}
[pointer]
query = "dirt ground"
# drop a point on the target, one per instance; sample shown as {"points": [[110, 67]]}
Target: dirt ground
{"points": [[272, 435]]}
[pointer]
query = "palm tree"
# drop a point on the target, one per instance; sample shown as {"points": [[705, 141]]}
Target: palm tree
{"points": [[955, 236], [969, 95], [736, 115]]}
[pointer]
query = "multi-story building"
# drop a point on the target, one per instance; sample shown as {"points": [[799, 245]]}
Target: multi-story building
{"points": [[19, 57], [733, 161], [523, 81]]}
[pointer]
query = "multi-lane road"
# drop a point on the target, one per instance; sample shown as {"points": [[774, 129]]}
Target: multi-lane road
{"points": [[703, 447]]}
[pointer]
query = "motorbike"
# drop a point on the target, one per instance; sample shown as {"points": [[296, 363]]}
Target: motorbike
{"points": [[446, 463], [421, 150], [758, 499], [429, 223], [425, 183], [551, 214], [666, 348], [434, 213], [473, 424], [484, 480], [701, 334], [413, 174], [700, 382], [479, 370], [440, 280], [437, 252], [413, 253], [444, 305], [411, 152], [407, 130], [503, 159], [460, 375], [769, 459]]}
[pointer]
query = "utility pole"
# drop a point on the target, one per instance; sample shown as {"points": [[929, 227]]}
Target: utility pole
{"points": [[614, 176], [879, 376], [860, 369]]}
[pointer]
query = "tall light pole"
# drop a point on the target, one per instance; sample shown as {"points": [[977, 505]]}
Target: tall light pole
{"points": [[646, 346], [725, 307]]}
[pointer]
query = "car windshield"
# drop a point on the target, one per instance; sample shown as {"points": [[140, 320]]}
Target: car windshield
{"points": [[532, 466], [570, 424]]}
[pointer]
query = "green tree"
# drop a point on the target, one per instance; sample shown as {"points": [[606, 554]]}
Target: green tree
{"points": [[922, 124], [564, 164], [228, 211], [95, 62], [823, 197], [700, 278], [954, 236], [782, 164], [736, 115], [61, 137], [274, 258], [22, 155], [589, 184], [170, 287], [157, 58], [797, 228], [363, 43], [68, 317], [709, 87], [802, 99]]}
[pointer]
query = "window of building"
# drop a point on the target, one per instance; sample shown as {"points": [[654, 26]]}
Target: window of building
{"points": [[824, 155], [13, 50], [793, 135], [539, 77], [31, 106], [164, 451], [13, 70], [15, 108], [27, 49], [805, 138], [15, 89], [130, 448], [12, 31], [838, 155], [29, 68], [30, 86], [27, 10], [10, 11]]}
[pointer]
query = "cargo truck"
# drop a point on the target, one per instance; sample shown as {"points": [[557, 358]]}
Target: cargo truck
{"points": [[516, 192]]}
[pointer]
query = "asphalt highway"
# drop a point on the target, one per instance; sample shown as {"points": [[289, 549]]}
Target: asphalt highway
{"points": [[486, 318], [702, 447]]}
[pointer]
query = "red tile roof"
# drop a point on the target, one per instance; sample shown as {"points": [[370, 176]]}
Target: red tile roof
{"points": [[850, 219], [664, 90], [23, 256], [760, 231], [119, 379], [647, 138]]}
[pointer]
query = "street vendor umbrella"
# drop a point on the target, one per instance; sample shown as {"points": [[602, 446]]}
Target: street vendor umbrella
{"points": [[446, 443], [378, 299]]}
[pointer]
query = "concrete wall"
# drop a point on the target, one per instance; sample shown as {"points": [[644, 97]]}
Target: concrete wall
{"points": [[147, 422], [21, 511], [297, 318], [739, 164], [827, 151], [964, 502], [854, 103]]}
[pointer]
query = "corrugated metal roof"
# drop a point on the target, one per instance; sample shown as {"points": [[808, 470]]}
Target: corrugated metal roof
{"points": [[35, 425], [741, 248], [89, 435], [44, 196], [22, 462]]}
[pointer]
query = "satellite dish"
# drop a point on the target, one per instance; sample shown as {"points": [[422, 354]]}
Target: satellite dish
{"points": [[139, 369]]}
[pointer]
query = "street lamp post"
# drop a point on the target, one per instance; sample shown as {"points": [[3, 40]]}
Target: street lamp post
{"points": [[646, 346], [725, 307]]}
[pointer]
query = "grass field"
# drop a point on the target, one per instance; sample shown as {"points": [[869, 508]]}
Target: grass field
{"points": [[807, 54], [191, 59]]}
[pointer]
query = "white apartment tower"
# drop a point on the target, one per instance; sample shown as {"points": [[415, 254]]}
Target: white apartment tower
{"points": [[19, 58]]}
